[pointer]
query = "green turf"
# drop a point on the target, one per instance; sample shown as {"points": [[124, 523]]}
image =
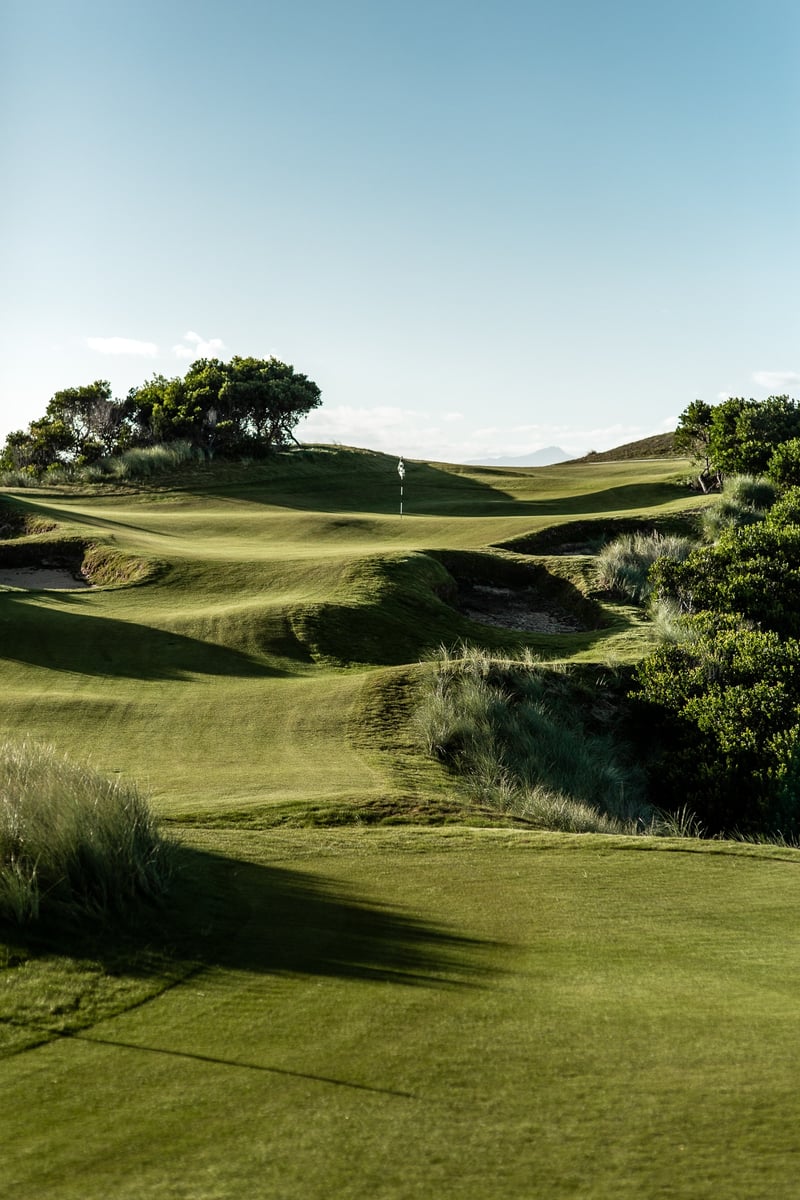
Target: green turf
{"points": [[221, 682], [439, 1008], [453, 1013]]}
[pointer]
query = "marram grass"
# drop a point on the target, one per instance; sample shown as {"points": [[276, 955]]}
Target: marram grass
{"points": [[73, 843]]}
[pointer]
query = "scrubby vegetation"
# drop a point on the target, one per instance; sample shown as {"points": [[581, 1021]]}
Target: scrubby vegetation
{"points": [[74, 844], [623, 566], [537, 742], [723, 690], [246, 406]]}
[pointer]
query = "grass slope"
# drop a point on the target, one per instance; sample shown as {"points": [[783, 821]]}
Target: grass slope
{"points": [[227, 668], [360, 1011]]}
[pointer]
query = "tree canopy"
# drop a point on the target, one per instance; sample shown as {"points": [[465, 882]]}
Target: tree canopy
{"points": [[246, 405], [736, 436]]}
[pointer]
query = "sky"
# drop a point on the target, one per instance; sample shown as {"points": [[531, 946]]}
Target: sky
{"points": [[481, 228]]}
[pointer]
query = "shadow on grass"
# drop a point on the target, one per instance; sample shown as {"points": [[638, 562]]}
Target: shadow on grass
{"points": [[48, 632], [263, 919], [291, 922], [243, 916], [432, 491]]}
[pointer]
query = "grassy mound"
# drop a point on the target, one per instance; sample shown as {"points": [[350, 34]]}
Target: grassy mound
{"points": [[658, 445], [73, 843]]}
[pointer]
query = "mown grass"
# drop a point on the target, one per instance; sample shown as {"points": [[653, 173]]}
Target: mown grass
{"points": [[450, 1012], [357, 1010]]}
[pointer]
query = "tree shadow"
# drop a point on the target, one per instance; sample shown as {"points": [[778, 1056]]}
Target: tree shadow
{"points": [[432, 491], [49, 633]]}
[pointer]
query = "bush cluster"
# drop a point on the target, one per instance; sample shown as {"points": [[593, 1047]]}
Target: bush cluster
{"points": [[725, 695]]}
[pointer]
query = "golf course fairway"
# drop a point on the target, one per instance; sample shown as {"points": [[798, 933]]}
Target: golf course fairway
{"points": [[363, 987]]}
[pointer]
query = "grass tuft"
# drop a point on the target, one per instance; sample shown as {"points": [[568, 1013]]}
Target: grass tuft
{"points": [[623, 566], [534, 741], [73, 844], [746, 500]]}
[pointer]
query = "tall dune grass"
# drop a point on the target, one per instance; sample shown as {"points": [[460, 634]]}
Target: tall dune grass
{"points": [[623, 566], [143, 462], [73, 844], [533, 741], [745, 500]]}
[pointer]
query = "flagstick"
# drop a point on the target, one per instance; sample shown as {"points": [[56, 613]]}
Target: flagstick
{"points": [[401, 471]]}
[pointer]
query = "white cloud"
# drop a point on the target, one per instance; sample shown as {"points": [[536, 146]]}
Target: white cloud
{"points": [[121, 345], [198, 347], [433, 436], [776, 381]]}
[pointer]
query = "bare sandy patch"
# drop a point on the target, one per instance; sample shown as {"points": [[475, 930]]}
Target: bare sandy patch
{"points": [[509, 608], [41, 579]]}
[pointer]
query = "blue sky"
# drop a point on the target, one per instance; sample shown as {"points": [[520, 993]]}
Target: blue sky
{"points": [[480, 228]]}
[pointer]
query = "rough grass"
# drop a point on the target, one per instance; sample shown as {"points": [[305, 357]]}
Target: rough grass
{"points": [[73, 844], [534, 742], [745, 500], [623, 566]]}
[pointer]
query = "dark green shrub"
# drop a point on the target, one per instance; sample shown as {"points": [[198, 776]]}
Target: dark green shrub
{"points": [[726, 705], [784, 465], [752, 571]]}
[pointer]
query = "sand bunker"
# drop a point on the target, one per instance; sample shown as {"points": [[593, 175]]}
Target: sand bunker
{"points": [[508, 608], [41, 579]]}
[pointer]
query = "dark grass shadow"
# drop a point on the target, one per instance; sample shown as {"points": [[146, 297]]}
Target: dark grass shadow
{"points": [[299, 924], [67, 516], [270, 920], [54, 635], [430, 491], [247, 917]]}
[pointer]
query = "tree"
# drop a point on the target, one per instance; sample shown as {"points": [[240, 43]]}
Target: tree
{"points": [[33, 450], [737, 436], [267, 398], [158, 411], [247, 404], [693, 435], [92, 418]]}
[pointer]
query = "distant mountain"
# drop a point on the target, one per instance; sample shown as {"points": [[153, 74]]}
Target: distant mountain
{"points": [[537, 458]]}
